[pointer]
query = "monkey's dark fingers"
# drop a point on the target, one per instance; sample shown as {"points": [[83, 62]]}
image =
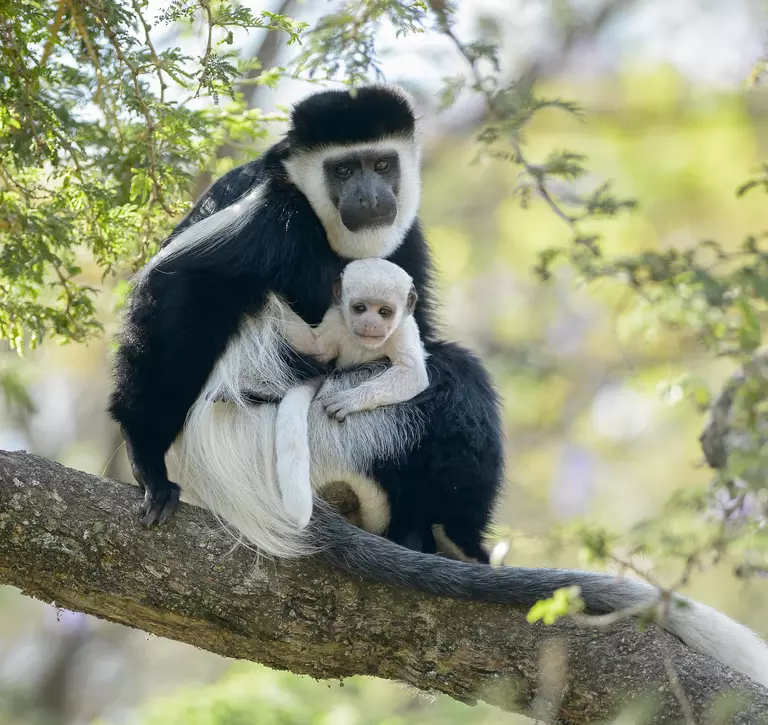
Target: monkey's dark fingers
{"points": [[170, 506], [146, 504], [339, 413], [158, 508]]}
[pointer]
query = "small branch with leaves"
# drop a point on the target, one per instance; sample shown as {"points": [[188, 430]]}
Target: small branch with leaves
{"points": [[509, 109]]}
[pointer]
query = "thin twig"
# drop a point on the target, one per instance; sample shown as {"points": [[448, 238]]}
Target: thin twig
{"points": [[134, 72], [553, 664], [481, 85], [64, 283], [206, 5], [677, 688], [604, 621], [155, 58], [102, 87], [53, 33], [537, 176]]}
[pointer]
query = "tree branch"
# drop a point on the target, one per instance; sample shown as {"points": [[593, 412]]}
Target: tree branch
{"points": [[720, 436], [73, 539]]}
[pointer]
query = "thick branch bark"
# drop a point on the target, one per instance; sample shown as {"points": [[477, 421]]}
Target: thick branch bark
{"points": [[74, 539]]}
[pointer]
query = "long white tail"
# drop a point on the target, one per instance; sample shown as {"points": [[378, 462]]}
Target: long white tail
{"points": [[712, 633], [226, 460], [292, 452], [702, 628]]}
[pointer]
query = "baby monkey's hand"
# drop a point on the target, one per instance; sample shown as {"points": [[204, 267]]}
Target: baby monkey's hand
{"points": [[340, 404]]}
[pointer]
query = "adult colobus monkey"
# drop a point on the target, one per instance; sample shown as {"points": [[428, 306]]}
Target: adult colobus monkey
{"points": [[343, 184]]}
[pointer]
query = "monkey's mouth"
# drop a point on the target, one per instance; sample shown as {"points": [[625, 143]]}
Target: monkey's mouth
{"points": [[371, 340], [370, 222]]}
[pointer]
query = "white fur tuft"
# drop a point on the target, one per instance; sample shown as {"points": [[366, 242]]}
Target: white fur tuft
{"points": [[713, 633], [700, 627], [292, 453], [207, 234]]}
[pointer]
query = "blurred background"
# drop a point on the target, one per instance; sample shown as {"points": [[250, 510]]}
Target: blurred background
{"points": [[594, 430]]}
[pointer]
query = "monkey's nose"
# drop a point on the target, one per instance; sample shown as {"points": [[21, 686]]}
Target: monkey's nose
{"points": [[366, 205], [371, 202]]}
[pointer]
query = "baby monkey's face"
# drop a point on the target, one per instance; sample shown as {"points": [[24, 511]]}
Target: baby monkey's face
{"points": [[373, 321]]}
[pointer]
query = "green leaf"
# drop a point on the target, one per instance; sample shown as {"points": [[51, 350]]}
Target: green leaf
{"points": [[750, 334], [563, 602]]}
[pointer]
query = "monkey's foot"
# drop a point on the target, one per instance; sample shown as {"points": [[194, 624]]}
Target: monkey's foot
{"points": [[159, 503]]}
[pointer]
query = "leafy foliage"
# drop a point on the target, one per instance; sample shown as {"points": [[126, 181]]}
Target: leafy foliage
{"points": [[564, 601], [343, 42], [99, 145], [253, 694]]}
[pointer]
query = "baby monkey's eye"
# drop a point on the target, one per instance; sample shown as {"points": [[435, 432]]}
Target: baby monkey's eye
{"points": [[359, 308], [385, 311], [381, 165]]}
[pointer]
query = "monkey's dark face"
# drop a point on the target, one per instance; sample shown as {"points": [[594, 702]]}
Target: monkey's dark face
{"points": [[372, 321], [356, 156], [363, 186], [366, 195]]}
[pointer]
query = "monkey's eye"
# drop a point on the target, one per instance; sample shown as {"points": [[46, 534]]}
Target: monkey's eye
{"points": [[342, 171], [359, 308], [385, 311], [381, 165]]}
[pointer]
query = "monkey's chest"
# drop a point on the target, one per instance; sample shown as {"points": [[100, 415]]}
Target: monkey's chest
{"points": [[352, 354]]}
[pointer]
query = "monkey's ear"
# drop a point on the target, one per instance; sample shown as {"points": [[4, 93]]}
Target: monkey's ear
{"points": [[337, 291], [411, 301]]}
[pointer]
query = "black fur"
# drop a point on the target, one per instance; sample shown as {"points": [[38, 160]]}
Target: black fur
{"points": [[454, 476], [331, 118], [182, 317]]}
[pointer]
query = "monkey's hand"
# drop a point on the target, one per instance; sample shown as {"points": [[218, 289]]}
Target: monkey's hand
{"points": [[160, 503], [340, 404], [161, 497]]}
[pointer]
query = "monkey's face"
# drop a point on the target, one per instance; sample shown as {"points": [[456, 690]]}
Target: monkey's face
{"points": [[355, 156], [372, 321], [366, 195], [363, 185]]}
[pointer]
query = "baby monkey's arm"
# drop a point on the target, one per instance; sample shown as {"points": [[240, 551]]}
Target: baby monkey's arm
{"points": [[405, 378], [321, 342]]}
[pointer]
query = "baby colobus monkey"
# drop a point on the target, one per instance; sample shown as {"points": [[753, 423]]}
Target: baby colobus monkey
{"points": [[370, 319]]}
